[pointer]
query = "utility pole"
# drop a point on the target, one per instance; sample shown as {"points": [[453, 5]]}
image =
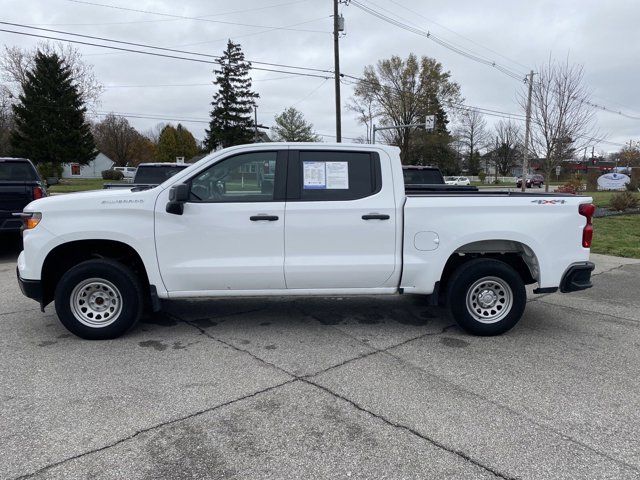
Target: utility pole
{"points": [[255, 124], [336, 67], [527, 134]]}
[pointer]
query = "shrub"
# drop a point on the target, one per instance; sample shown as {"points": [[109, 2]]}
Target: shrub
{"points": [[49, 170], [567, 188], [112, 175], [623, 201], [482, 175], [592, 181], [572, 186]]}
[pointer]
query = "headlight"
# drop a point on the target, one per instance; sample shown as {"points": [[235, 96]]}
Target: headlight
{"points": [[30, 220]]}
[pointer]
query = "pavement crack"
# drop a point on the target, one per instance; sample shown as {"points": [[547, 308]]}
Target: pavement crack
{"points": [[432, 441], [387, 351], [306, 379], [375, 350], [232, 346], [515, 412], [153, 427]]}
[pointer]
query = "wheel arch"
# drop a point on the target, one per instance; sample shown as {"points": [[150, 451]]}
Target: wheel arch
{"points": [[66, 255], [520, 256]]}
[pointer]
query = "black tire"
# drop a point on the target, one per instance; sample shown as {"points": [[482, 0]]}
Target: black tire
{"points": [[497, 276], [114, 291]]}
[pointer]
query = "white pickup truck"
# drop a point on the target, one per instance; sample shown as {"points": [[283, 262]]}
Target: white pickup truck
{"points": [[300, 219]]}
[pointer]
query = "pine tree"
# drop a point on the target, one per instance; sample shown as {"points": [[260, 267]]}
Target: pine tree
{"points": [[231, 117], [50, 125], [291, 126]]}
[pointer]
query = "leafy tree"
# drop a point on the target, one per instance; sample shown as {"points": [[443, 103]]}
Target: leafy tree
{"points": [[231, 117], [143, 150], [629, 155], [50, 125], [291, 126], [404, 91], [434, 148], [117, 139], [176, 142]]}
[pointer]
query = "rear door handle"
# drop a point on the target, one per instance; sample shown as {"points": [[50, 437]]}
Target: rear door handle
{"points": [[375, 216], [259, 218]]}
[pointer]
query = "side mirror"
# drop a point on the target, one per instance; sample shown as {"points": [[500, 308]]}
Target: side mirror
{"points": [[178, 195]]}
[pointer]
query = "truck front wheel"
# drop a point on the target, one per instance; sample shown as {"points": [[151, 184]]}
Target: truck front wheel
{"points": [[486, 297], [99, 299]]}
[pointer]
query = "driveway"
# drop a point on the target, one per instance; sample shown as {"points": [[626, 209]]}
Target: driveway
{"points": [[327, 388]]}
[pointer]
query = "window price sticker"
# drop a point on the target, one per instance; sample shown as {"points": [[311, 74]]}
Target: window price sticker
{"points": [[325, 175]]}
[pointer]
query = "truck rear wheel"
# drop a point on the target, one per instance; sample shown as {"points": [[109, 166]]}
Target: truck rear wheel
{"points": [[486, 297], [99, 299]]}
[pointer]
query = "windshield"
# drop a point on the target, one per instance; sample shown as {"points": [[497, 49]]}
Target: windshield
{"points": [[17, 172], [156, 175]]}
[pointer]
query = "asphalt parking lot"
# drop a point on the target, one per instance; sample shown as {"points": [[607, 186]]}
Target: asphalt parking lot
{"points": [[326, 388]]}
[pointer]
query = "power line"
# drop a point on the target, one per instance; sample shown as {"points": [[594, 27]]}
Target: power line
{"points": [[500, 114], [439, 41], [471, 55], [458, 34], [154, 47], [255, 9], [163, 55], [184, 17], [164, 85]]}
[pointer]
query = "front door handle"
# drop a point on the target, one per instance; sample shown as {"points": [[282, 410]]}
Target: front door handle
{"points": [[259, 218], [375, 216]]}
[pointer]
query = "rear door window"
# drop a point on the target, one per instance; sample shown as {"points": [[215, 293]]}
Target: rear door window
{"points": [[331, 175], [17, 172]]}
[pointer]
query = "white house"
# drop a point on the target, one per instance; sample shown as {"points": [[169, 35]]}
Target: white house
{"points": [[93, 169]]}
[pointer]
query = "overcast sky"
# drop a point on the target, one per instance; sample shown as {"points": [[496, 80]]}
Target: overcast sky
{"points": [[518, 34]]}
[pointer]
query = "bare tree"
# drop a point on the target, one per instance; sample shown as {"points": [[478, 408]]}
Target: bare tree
{"points": [[473, 136], [364, 107], [562, 117], [117, 139], [509, 139], [15, 62], [153, 134], [6, 120]]}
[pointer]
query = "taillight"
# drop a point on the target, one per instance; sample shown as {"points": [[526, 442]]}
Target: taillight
{"points": [[587, 210], [38, 193]]}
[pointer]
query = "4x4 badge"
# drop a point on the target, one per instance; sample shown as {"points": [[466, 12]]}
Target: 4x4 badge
{"points": [[548, 202]]}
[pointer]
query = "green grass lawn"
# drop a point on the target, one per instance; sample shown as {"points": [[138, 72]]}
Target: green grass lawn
{"points": [[237, 185], [600, 199], [619, 235], [69, 185]]}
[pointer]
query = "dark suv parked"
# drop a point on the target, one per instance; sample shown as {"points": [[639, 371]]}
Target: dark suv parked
{"points": [[532, 181], [20, 184]]}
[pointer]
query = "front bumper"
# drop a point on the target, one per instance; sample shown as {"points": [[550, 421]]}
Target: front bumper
{"points": [[577, 277], [30, 288], [10, 224]]}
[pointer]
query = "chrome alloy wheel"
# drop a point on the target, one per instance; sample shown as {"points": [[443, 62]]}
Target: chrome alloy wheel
{"points": [[96, 302], [489, 299]]}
